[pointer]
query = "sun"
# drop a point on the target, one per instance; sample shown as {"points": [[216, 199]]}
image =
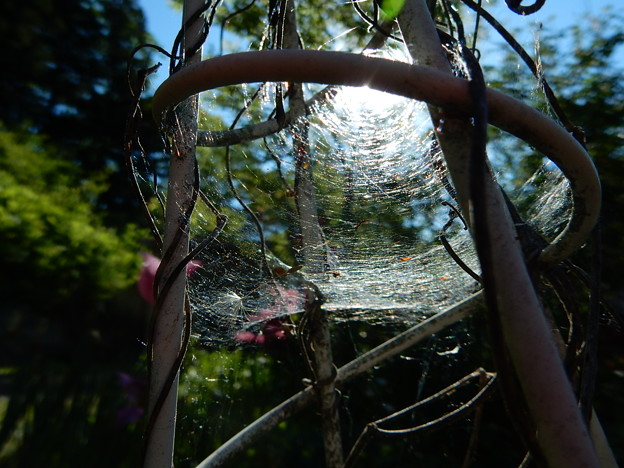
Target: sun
{"points": [[365, 99], [371, 101]]}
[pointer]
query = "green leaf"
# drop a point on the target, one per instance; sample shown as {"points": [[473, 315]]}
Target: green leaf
{"points": [[392, 8]]}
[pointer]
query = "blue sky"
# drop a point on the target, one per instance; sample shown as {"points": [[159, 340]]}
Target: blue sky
{"points": [[163, 21]]}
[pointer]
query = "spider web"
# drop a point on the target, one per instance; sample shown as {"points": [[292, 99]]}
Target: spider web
{"points": [[383, 203], [383, 199]]}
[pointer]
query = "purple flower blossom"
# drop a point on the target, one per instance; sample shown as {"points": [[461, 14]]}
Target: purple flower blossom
{"points": [[133, 389]]}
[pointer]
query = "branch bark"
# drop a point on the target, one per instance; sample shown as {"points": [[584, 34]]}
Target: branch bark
{"points": [[167, 330], [561, 435]]}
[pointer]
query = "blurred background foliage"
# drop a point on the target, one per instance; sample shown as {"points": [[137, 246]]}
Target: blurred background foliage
{"points": [[70, 236], [72, 370]]}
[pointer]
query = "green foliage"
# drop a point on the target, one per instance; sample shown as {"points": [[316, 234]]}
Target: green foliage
{"points": [[68, 81], [70, 317], [62, 345], [50, 237]]}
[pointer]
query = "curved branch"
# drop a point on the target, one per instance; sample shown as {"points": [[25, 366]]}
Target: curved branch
{"points": [[414, 82], [215, 138], [534, 382]]}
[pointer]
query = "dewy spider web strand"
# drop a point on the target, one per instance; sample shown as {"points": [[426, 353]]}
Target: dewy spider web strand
{"points": [[377, 278], [362, 270]]}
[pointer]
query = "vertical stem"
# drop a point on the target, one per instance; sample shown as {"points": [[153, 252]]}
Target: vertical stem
{"points": [[315, 258], [313, 241], [313, 248], [168, 327], [561, 433], [325, 384]]}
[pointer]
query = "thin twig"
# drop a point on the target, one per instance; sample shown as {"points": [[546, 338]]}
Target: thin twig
{"points": [[577, 132], [216, 138], [476, 429], [131, 138], [230, 180], [459, 412]]}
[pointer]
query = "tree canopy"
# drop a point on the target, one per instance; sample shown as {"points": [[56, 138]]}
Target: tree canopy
{"points": [[68, 81]]}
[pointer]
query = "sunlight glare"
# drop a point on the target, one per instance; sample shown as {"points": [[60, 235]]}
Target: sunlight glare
{"points": [[368, 100], [371, 101]]}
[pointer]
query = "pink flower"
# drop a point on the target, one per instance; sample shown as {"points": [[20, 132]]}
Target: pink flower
{"points": [[244, 336], [287, 301], [148, 275], [273, 330]]}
